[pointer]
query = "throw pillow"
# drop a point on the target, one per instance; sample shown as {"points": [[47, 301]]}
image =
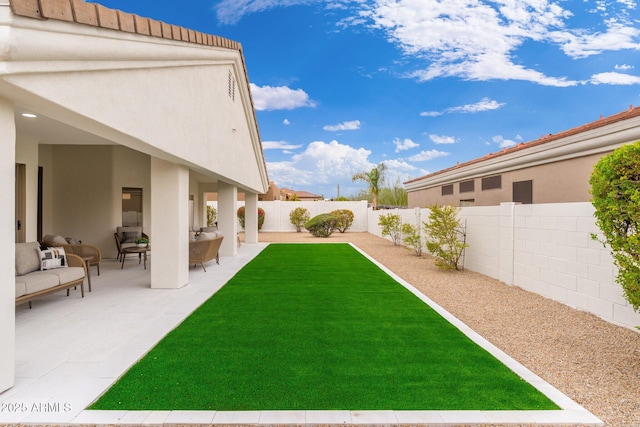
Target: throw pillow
{"points": [[52, 258], [130, 236]]}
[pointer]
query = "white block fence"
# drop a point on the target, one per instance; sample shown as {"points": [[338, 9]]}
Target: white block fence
{"points": [[543, 248]]}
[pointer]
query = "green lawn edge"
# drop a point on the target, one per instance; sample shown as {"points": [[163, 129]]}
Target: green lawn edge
{"points": [[318, 327]]}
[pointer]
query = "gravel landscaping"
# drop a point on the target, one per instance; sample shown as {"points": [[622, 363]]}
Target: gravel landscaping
{"points": [[592, 361]]}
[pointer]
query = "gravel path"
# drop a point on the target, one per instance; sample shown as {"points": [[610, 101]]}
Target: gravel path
{"points": [[594, 362]]}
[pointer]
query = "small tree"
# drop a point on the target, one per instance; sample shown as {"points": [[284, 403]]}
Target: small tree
{"points": [[298, 217], [240, 214], [211, 215], [412, 238], [322, 225], [615, 187], [375, 179], [345, 219], [444, 234], [391, 226]]}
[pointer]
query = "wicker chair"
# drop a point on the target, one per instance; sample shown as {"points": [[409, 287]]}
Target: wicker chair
{"points": [[119, 238], [204, 250]]}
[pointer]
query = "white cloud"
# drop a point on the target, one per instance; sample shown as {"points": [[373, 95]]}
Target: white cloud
{"points": [[352, 125], [431, 114], [624, 67], [506, 143], [428, 155], [405, 144], [442, 139], [614, 78], [286, 122], [279, 98], [485, 104], [471, 39], [581, 44], [399, 170], [279, 145], [320, 164]]}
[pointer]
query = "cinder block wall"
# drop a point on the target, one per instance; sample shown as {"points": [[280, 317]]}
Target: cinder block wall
{"points": [[543, 248]]}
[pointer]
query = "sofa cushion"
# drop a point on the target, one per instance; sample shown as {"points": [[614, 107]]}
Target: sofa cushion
{"points": [[130, 236], [55, 239], [27, 257], [39, 280], [21, 288], [121, 230], [66, 275], [52, 258], [207, 235]]}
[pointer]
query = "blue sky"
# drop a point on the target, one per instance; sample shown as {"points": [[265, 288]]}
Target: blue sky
{"points": [[342, 85]]}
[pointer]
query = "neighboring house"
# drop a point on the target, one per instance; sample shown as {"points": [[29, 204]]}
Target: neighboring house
{"points": [[552, 169], [125, 107], [303, 196]]}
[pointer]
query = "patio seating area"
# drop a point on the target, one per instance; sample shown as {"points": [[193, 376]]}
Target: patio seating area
{"points": [[68, 352]]}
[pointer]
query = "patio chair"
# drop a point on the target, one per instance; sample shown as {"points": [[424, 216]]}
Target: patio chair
{"points": [[205, 249], [125, 237], [89, 253]]}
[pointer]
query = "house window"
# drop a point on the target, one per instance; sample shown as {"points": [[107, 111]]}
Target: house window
{"points": [[467, 202], [131, 207], [523, 192], [491, 182], [467, 186], [447, 190]]}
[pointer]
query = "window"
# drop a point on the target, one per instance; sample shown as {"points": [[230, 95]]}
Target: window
{"points": [[131, 207], [491, 182], [447, 190], [523, 192], [467, 186], [467, 202]]}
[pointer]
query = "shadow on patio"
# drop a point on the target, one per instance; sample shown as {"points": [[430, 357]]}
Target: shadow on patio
{"points": [[71, 349]]}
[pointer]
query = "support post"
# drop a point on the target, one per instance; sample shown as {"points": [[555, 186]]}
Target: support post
{"points": [[227, 218], [251, 218], [169, 236], [7, 237]]}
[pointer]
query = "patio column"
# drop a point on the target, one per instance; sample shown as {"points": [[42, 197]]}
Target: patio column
{"points": [[7, 237], [169, 224], [227, 218], [251, 217]]}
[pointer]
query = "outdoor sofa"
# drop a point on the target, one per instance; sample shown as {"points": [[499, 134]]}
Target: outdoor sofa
{"points": [[43, 271], [89, 253]]}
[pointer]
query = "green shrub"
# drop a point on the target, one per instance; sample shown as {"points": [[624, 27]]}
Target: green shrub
{"points": [[260, 217], [298, 217], [345, 219], [322, 225], [615, 187], [412, 238], [391, 226], [211, 215], [445, 236]]}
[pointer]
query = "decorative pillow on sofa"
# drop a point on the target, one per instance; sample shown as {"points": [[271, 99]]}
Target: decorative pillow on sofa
{"points": [[207, 235], [52, 258], [130, 236]]}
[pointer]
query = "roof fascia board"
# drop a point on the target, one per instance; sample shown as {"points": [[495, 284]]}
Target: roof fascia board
{"points": [[595, 141]]}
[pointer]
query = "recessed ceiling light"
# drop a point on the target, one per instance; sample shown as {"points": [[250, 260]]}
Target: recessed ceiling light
{"points": [[30, 115]]}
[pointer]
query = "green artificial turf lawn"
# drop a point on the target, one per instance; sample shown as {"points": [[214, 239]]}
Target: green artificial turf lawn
{"points": [[312, 327]]}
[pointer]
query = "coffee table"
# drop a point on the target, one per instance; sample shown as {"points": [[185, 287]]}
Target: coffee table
{"points": [[136, 250]]}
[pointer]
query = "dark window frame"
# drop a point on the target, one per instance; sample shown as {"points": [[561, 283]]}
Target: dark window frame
{"points": [[522, 192], [447, 190], [491, 182], [467, 186]]}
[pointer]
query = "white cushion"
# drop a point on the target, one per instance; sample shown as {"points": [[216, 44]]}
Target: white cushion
{"points": [[27, 257], [52, 258], [21, 288], [205, 235], [39, 280]]}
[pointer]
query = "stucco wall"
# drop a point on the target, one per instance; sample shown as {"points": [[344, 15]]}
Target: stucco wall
{"points": [[558, 182], [546, 249], [86, 191]]}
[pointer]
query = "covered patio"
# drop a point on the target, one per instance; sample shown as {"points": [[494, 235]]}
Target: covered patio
{"points": [[95, 101], [70, 349]]}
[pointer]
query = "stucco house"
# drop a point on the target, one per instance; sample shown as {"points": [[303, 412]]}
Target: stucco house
{"points": [[98, 106], [552, 169]]}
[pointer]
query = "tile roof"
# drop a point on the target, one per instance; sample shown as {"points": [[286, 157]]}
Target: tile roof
{"points": [[96, 15], [603, 121]]}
